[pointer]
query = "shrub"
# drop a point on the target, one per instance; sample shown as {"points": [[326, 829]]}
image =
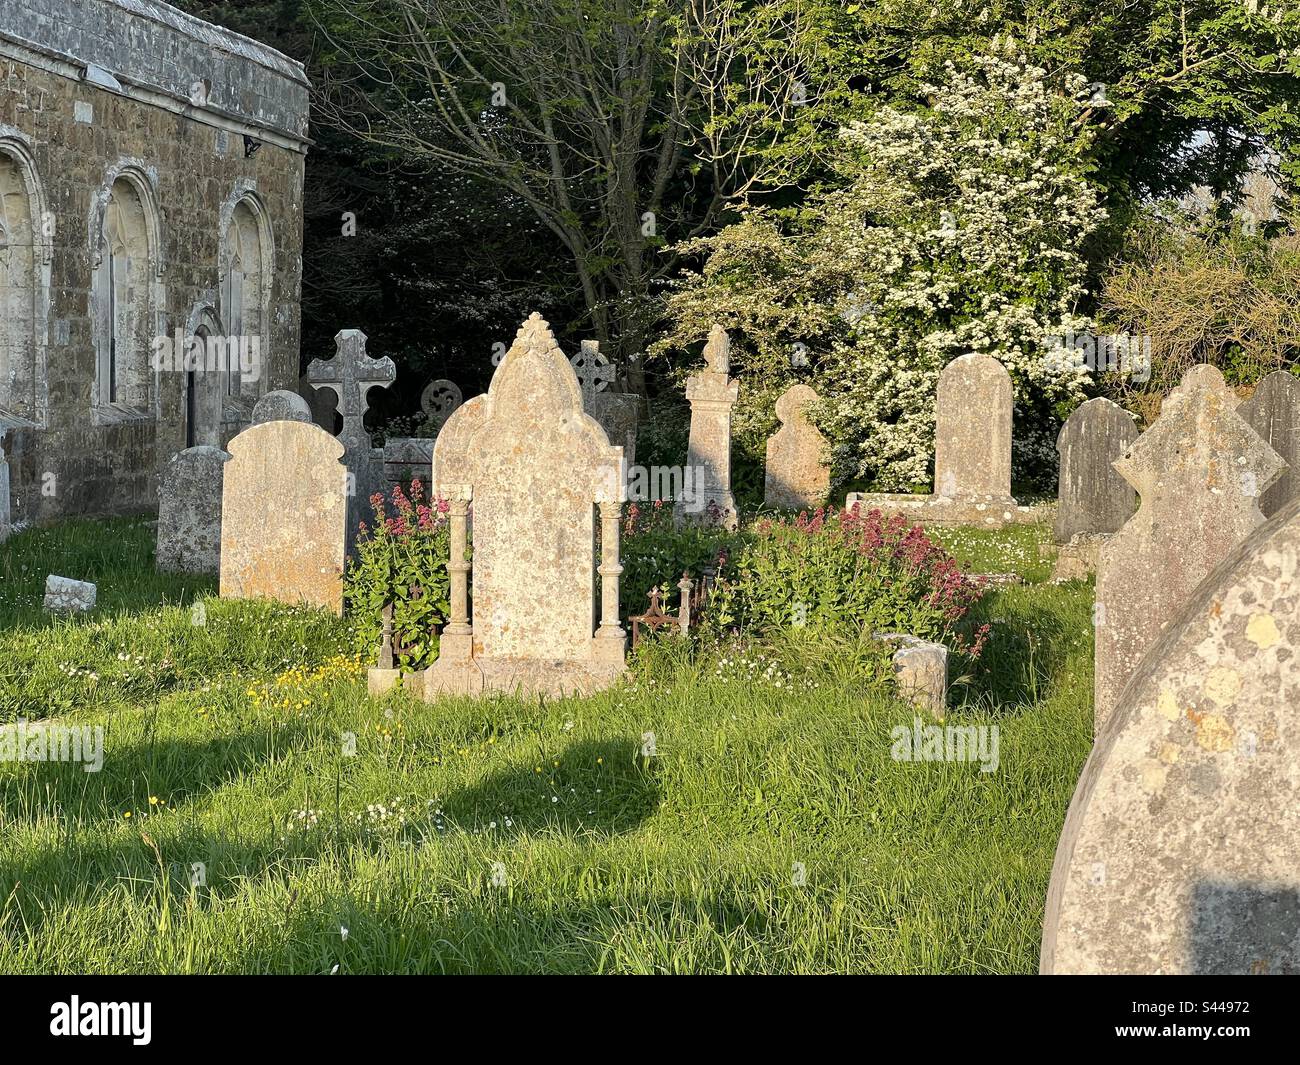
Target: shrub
{"points": [[401, 559], [846, 573]]}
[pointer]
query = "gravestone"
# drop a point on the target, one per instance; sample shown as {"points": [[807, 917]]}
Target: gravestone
{"points": [[712, 394], [619, 413], [972, 435], [405, 459], [439, 401], [282, 406], [1199, 471], [66, 594], [795, 476], [1179, 850], [1092, 498], [6, 519], [350, 375], [535, 468], [1273, 411], [283, 509], [189, 511]]}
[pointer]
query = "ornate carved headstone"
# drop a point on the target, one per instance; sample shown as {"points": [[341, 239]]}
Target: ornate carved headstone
{"points": [[1200, 470], [972, 431], [439, 401], [796, 477], [1092, 497], [1273, 411], [1179, 850], [351, 374], [283, 509], [619, 413], [712, 394], [189, 511], [593, 370], [535, 467]]}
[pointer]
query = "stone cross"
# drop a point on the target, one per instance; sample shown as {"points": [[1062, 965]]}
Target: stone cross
{"points": [[1273, 411], [351, 374], [594, 371], [536, 469], [795, 477], [1092, 498], [1179, 851], [972, 431], [1200, 470], [712, 394]]}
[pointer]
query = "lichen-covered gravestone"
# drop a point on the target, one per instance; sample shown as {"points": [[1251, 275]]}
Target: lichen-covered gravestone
{"points": [[1273, 411], [1199, 471], [972, 431], [1093, 499], [1179, 852], [795, 476], [189, 511], [281, 406], [536, 467], [439, 401], [712, 394], [350, 375], [283, 509]]}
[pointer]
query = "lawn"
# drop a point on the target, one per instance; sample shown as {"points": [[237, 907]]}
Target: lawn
{"points": [[230, 829]]}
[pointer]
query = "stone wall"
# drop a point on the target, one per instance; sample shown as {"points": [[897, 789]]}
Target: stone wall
{"points": [[202, 123]]}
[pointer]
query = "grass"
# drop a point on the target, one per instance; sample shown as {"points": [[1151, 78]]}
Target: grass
{"points": [[230, 830]]}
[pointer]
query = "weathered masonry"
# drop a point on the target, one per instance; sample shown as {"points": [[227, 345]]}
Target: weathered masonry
{"points": [[151, 174]]}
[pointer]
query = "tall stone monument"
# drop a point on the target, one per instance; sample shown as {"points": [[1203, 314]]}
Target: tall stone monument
{"points": [[1179, 850], [536, 468], [1273, 411], [712, 394], [1200, 470], [796, 477]]}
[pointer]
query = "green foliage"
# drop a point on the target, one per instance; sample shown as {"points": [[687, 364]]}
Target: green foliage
{"points": [[846, 573], [655, 554], [401, 559]]}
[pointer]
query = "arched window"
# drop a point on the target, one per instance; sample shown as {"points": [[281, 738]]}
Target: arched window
{"points": [[124, 298], [23, 282], [245, 291]]}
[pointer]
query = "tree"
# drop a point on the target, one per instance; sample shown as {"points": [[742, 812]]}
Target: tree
{"points": [[621, 126], [952, 228]]}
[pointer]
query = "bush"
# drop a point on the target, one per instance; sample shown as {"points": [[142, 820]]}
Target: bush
{"points": [[845, 573], [401, 560]]}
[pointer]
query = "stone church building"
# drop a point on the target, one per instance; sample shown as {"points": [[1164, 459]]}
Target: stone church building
{"points": [[151, 180]]}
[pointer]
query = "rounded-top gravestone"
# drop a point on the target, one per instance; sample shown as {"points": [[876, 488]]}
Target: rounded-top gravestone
{"points": [[281, 406]]}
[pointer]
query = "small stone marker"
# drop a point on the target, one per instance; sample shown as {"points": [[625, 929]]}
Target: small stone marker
{"points": [[1092, 497], [281, 406], [350, 375], [64, 593], [920, 671], [406, 458], [712, 394], [1179, 853], [439, 401], [536, 468], [189, 511], [1273, 411], [1199, 470], [284, 504], [972, 439], [795, 477]]}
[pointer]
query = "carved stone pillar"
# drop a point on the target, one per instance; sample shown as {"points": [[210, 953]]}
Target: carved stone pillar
{"points": [[458, 568], [610, 642]]}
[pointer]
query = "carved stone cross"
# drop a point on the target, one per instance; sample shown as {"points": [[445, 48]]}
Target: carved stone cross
{"points": [[593, 369], [351, 373]]}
